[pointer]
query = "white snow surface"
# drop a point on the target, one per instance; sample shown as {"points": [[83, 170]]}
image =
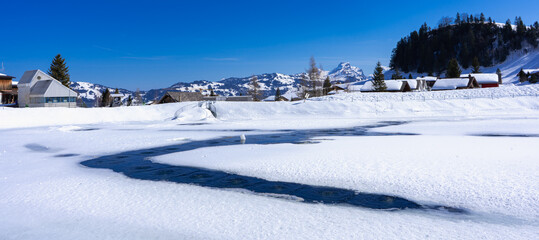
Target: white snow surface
{"points": [[494, 178]]}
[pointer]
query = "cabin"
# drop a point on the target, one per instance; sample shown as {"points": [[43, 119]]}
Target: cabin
{"points": [[455, 83], [415, 84], [116, 99], [485, 80], [532, 73], [171, 97], [392, 86], [8, 90], [245, 98], [429, 81], [37, 89]]}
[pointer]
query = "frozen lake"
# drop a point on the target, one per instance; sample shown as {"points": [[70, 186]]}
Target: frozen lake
{"points": [[296, 177]]}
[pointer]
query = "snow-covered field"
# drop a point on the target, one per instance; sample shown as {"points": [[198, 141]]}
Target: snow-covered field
{"points": [[474, 153]]}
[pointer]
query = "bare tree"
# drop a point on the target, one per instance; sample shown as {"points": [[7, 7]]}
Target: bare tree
{"points": [[138, 98], [314, 75], [254, 89], [445, 21]]}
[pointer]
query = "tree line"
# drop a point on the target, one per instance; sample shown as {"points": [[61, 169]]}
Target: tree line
{"points": [[464, 38]]}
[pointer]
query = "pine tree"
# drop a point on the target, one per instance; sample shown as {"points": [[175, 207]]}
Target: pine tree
{"points": [[522, 76], [410, 76], [59, 71], [212, 93], [254, 90], [475, 65], [453, 69], [326, 86], [105, 98], [129, 100], [482, 18], [378, 82], [277, 94], [457, 19]]}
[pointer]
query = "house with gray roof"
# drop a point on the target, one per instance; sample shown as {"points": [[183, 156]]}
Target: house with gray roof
{"points": [[37, 89]]}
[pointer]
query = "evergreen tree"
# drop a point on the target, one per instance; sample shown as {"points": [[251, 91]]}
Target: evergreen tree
{"points": [[453, 69], [499, 73], [475, 65], [116, 91], [129, 100], [397, 74], [59, 70], [482, 18], [277, 94], [105, 98], [410, 76], [327, 86], [212, 93], [457, 19], [378, 82], [522, 76], [254, 90]]}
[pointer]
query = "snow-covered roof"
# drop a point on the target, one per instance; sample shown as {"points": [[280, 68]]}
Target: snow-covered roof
{"points": [[531, 71], [355, 87], [450, 83], [392, 85], [51, 88], [14, 83], [483, 78], [427, 78]]}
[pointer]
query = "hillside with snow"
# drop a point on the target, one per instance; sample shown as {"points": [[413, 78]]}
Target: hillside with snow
{"points": [[233, 86], [526, 58]]}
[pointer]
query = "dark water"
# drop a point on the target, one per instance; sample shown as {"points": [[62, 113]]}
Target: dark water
{"points": [[134, 164]]}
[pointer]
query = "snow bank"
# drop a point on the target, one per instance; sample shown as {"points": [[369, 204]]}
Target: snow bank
{"points": [[33, 117]]}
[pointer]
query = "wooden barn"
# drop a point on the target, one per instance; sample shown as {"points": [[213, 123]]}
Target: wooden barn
{"points": [[392, 86], [454, 83], [485, 80], [8, 90], [171, 97]]}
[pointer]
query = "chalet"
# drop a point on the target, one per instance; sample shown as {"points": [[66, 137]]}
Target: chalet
{"points": [[415, 84], [245, 98], [171, 97], [485, 80], [116, 99], [532, 74], [392, 86], [8, 90], [429, 81], [454, 83], [37, 89]]}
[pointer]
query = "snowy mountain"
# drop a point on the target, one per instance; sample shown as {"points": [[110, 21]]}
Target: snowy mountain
{"points": [[233, 86], [346, 72], [90, 92]]}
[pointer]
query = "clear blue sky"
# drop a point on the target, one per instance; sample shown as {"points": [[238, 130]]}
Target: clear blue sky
{"points": [[153, 44]]}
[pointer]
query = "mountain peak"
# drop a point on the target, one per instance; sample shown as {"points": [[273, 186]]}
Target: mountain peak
{"points": [[345, 72]]}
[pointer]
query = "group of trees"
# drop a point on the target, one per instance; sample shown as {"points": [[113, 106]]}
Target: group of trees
{"points": [[463, 38]]}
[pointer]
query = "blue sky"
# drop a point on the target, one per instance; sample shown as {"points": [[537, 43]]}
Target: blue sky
{"points": [[153, 44]]}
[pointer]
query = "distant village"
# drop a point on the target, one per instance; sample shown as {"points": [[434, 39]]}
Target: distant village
{"points": [[39, 89]]}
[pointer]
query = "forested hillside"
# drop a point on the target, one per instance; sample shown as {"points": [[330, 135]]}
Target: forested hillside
{"points": [[464, 37]]}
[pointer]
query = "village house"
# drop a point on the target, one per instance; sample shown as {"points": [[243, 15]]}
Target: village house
{"points": [[245, 98], [454, 83], [37, 89], [531, 73], [391, 86], [429, 81], [485, 80], [171, 97], [8, 90]]}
